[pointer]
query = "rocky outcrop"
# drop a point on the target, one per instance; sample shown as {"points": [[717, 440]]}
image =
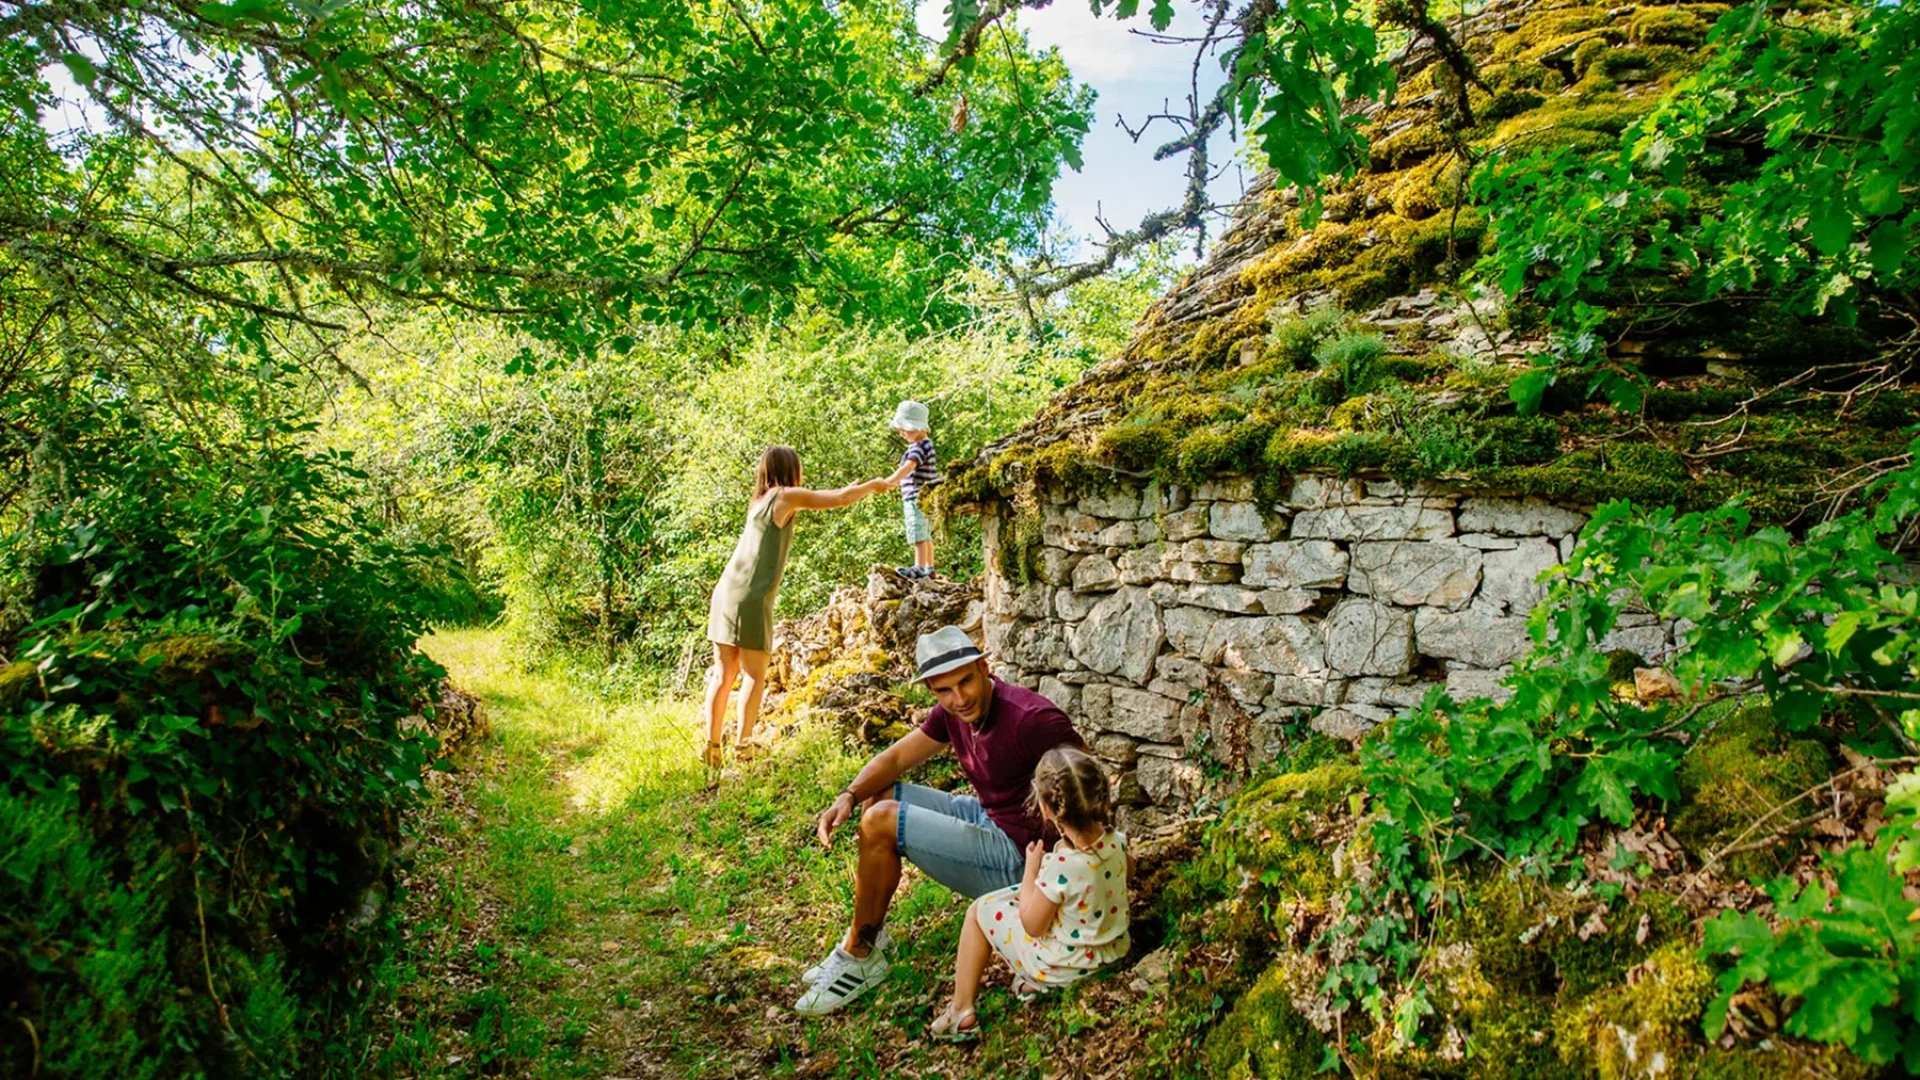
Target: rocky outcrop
{"points": [[851, 662]]}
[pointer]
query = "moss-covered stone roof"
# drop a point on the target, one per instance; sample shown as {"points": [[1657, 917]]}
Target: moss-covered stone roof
{"points": [[1352, 347]]}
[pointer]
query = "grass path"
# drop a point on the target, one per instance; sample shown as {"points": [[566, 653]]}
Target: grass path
{"points": [[586, 907]]}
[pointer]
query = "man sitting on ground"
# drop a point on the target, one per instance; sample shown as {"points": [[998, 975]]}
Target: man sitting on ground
{"points": [[971, 844]]}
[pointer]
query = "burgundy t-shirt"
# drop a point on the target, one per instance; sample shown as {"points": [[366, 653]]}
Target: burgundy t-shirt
{"points": [[999, 753]]}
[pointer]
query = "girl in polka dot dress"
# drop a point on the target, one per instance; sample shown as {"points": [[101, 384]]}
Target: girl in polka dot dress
{"points": [[1068, 916]]}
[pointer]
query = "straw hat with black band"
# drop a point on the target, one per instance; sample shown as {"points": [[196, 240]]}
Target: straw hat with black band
{"points": [[942, 651]]}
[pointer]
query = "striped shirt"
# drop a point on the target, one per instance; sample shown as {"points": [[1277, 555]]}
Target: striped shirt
{"points": [[926, 469]]}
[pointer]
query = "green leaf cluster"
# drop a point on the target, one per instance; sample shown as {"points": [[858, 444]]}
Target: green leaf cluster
{"points": [[1784, 167]]}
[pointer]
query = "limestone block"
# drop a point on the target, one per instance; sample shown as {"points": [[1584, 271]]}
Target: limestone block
{"points": [[1519, 517], [1034, 600], [1170, 689], [1649, 642], [999, 636], [1141, 565], [1053, 526], [1368, 638], [1115, 749], [1394, 695], [1180, 671], [1216, 551], [1072, 606], [1162, 750], [1439, 573], [1042, 646], [1061, 694], [1287, 601], [1096, 704], [1141, 714], [1129, 533], [1187, 629], [1119, 502], [1510, 575], [1201, 573], [1127, 792], [1158, 498], [1056, 565], [1233, 488], [1479, 636], [1319, 492], [1567, 544], [1300, 564], [1168, 780], [1121, 635], [1341, 723], [1402, 522], [1392, 490], [1082, 533], [1249, 688], [1465, 684], [1228, 598], [1275, 644], [1096, 573], [1243, 521], [1313, 689], [1186, 524], [1488, 541]]}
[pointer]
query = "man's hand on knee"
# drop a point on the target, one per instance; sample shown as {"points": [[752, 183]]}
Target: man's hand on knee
{"points": [[880, 822]]}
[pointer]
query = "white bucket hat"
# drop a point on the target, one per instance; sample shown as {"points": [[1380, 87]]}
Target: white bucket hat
{"points": [[910, 416], [943, 650]]}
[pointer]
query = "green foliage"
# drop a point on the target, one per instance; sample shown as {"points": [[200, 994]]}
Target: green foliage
{"points": [[1851, 956], [202, 746], [600, 495], [583, 169], [1818, 217], [1814, 623]]}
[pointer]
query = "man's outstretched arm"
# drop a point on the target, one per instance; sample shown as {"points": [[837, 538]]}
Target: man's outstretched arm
{"points": [[876, 777]]}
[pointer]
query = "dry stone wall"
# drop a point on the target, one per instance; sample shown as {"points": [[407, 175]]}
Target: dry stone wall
{"points": [[1186, 629]]}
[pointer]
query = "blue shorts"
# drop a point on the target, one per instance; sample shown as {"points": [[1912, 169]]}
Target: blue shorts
{"points": [[953, 841], [918, 527]]}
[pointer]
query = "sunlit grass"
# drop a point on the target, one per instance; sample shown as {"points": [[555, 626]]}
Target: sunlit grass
{"points": [[596, 909]]}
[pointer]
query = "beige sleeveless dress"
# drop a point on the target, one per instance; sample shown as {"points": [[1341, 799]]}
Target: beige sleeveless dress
{"points": [[741, 612]]}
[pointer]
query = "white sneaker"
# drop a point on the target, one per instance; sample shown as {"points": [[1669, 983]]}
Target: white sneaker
{"points": [[881, 942], [843, 977]]}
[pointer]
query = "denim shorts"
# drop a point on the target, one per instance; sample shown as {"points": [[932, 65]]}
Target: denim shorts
{"points": [[918, 527], [951, 839]]}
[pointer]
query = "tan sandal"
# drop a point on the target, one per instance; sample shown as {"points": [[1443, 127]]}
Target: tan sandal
{"points": [[716, 756], [745, 752], [947, 1027]]}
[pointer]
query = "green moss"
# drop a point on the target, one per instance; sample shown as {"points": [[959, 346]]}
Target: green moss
{"points": [[1275, 832], [1668, 26], [1617, 1032], [1264, 1036], [1737, 774], [1513, 1038], [16, 681], [1771, 1061], [1600, 959]]}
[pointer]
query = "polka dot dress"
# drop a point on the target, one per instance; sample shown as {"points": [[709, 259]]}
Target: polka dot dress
{"points": [[1090, 929]]}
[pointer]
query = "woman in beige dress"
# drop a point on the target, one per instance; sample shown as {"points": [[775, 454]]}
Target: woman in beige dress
{"points": [[740, 617]]}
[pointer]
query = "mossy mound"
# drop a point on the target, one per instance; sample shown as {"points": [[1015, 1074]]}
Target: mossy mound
{"points": [[1522, 977], [1736, 776], [1251, 369]]}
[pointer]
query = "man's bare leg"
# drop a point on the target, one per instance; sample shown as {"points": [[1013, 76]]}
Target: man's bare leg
{"points": [[875, 876]]}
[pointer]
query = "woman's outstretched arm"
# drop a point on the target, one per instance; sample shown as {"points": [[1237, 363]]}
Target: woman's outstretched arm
{"points": [[811, 499]]}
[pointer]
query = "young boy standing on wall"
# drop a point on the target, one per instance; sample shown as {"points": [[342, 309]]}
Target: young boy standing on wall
{"points": [[919, 470]]}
